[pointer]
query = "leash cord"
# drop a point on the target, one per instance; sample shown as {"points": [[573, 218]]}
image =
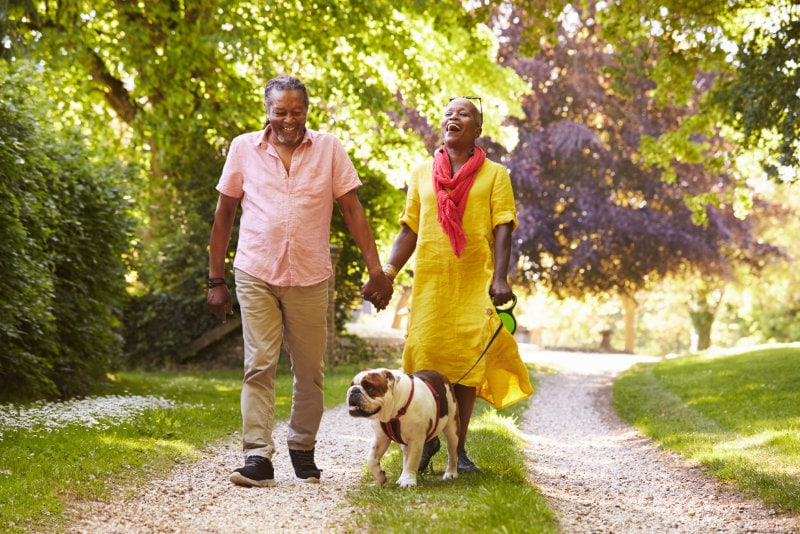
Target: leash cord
{"points": [[482, 354]]}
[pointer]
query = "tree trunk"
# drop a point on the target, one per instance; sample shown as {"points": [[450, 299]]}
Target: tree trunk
{"points": [[701, 323], [630, 305], [705, 301]]}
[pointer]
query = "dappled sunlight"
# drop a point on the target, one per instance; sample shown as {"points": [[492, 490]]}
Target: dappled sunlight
{"points": [[765, 449], [142, 444], [221, 388], [92, 412]]}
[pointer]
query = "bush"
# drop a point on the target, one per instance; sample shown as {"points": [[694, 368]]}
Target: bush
{"points": [[64, 227]]}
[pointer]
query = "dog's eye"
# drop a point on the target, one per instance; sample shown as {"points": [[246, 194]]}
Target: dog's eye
{"points": [[369, 388]]}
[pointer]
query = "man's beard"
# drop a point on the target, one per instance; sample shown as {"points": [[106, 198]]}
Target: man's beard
{"points": [[289, 138]]}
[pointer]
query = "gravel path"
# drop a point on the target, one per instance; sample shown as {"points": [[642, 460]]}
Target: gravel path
{"points": [[198, 498], [601, 475], [598, 474]]}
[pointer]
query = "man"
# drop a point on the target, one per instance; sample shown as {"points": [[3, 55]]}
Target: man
{"points": [[286, 178]]}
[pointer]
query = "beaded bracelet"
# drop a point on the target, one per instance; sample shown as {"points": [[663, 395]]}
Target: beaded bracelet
{"points": [[215, 282]]}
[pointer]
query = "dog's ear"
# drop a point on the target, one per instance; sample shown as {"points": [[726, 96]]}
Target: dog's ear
{"points": [[389, 376]]}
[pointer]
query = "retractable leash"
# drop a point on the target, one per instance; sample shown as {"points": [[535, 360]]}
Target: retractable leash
{"points": [[507, 319], [506, 314]]}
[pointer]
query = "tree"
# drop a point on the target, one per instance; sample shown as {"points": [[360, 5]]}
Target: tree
{"points": [[177, 81], [762, 97], [596, 216], [750, 46]]}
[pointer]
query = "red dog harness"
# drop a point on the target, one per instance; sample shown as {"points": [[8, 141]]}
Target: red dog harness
{"points": [[392, 427]]}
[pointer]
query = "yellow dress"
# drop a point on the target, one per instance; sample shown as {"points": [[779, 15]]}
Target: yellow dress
{"points": [[452, 316]]}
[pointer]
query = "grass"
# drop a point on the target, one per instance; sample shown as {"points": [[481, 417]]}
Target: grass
{"points": [[738, 415], [46, 468], [499, 499], [43, 469]]}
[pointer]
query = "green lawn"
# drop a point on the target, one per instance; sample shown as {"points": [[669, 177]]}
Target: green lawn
{"points": [[52, 455], [737, 414]]}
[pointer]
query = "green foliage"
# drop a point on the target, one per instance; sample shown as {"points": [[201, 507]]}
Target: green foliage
{"points": [[65, 227], [158, 326], [743, 53], [762, 97], [178, 82], [382, 205], [735, 413]]}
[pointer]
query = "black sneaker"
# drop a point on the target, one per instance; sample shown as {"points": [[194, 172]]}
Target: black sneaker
{"points": [[304, 467], [465, 464], [257, 471], [430, 448]]}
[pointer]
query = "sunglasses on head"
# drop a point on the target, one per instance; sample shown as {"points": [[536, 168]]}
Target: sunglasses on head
{"points": [[480, 102]]}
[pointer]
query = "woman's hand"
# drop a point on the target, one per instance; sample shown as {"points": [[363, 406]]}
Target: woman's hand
{"points": [[501, 292]]}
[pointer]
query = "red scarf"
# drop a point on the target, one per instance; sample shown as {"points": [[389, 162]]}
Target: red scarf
{"points": [[451, 193]]}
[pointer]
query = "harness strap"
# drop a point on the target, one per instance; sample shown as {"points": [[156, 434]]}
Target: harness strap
{"points": [[392, 427], [438, 411]]}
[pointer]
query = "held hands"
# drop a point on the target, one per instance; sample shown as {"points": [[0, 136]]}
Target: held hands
{"points": [[378, 290], [219, 302]]}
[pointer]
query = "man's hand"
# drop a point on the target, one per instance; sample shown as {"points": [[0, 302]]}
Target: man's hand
{"points": [[219, 302]]}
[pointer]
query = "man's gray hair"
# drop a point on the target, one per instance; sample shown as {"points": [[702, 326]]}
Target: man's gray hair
{"points": [[284, 83]]}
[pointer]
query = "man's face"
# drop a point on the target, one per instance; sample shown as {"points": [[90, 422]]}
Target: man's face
{"points": [[287, 115]]}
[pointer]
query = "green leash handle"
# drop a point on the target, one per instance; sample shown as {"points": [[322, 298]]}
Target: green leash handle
{"points": [[506, 314]]}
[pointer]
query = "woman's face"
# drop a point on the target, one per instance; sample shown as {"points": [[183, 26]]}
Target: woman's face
{"points": [[287, 115], [460, 126]]}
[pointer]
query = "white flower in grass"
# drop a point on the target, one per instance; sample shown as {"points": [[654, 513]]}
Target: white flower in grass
{"points": [[99, 413]]}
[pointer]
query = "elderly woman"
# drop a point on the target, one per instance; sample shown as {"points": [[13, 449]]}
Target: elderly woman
{"points": [[458, 217]]}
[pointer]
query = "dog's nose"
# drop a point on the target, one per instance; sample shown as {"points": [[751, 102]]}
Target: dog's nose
{"points": [[353, 396]]}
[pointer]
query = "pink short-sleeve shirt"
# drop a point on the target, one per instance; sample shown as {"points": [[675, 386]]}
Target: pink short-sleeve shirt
{"points": [[284, 230]]}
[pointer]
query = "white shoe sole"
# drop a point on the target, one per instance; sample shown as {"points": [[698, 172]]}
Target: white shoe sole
{"points": [[241, 480]]}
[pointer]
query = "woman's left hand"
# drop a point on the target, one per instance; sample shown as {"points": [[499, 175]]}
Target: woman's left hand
{"points": [[501, 292]]}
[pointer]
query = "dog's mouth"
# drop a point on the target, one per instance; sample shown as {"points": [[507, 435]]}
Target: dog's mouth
{"points": [[354, 403], [358, 411]]}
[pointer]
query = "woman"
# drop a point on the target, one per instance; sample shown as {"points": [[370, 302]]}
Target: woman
{"points": [[458, 217]]}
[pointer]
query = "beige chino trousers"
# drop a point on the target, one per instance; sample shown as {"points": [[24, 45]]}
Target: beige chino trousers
{"points": [[296, 317]]}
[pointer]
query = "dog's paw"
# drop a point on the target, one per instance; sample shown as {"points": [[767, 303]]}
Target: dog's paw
{"points": [[407, 481], [449, 476], [380, 478]]}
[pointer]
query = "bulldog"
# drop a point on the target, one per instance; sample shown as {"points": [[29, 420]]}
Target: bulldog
{"points": [[409, 410]]}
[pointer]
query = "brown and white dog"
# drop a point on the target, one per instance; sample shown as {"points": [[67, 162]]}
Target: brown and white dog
{"points": [[407, 409]]}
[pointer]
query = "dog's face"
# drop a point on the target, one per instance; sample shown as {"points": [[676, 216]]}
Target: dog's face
{"points": [[370, 391]]}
